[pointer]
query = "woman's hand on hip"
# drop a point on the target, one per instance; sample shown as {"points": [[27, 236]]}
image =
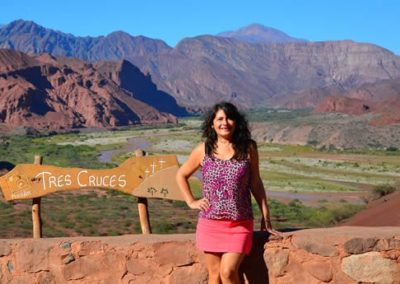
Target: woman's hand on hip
{"points": [[201, 204]]}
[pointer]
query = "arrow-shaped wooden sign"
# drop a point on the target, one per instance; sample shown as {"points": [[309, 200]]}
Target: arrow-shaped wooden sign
{"points": [[148, 176]]}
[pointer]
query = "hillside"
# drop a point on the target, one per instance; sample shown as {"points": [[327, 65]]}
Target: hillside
{"points": [[381, 212], [48, 93], [380, 99], [129, 77], [325, 130]]}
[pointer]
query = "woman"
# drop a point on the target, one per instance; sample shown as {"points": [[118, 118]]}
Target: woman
{"points": [[230, 170]]}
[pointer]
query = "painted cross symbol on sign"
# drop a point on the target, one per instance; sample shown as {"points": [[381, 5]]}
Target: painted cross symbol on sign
{"points": [[153, 167], [147, 172], [162, 162]]}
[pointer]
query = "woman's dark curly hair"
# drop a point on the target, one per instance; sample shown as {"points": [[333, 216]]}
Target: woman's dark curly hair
{"points": [[241, 138]]}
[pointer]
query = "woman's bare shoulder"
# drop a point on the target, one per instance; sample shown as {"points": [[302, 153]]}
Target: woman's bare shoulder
{"points": [[199, 148], [198, 151]]}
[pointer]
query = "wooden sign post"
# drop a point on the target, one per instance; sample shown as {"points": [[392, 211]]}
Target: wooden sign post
{"points": [[36, 217], [143, 208], [141, 176]]}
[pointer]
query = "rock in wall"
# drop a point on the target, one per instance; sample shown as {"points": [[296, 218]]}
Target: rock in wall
{"points": [[336, 255]]}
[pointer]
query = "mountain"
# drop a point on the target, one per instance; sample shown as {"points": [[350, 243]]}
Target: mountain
{"points": [[29, 37], [257, 33], [49, 93], [202, 70]]}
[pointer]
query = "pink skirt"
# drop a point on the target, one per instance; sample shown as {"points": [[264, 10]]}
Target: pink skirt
{"points": [[224, 235]]}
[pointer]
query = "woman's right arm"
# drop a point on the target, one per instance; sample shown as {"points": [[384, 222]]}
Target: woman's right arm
{"points": [[183, 174]]}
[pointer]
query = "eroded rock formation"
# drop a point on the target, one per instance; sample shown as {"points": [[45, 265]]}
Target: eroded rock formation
{"points": [[44, 92]]}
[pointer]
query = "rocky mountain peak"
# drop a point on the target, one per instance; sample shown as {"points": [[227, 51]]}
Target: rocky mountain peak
{"points": [[22, 26], [257, 33]]}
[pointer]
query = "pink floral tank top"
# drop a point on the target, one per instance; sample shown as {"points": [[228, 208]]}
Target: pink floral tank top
{"points": [[226, 185]]}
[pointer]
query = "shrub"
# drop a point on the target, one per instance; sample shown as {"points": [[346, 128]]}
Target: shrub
{"points": [[164, 228], [382, 190], [5, 205]]}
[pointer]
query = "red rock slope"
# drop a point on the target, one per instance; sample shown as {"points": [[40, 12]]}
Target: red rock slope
{"points": [[382, 212], [381, 99], [45, 92]]}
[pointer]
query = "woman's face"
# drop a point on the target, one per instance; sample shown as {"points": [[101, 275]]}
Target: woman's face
{"points": [[223, 126]]}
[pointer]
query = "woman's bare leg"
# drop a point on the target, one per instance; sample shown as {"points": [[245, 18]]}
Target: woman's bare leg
{"points": [[213, 262], [229, 267]]}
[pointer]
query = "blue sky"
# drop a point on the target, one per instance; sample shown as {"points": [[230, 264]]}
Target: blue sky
{"points": [[373, 21]]}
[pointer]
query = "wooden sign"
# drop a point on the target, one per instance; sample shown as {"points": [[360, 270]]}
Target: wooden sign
{"points": [[149, 176]]}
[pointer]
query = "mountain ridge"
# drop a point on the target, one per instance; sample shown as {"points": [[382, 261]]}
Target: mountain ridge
{"points": [[20, 35], [202, 70]]}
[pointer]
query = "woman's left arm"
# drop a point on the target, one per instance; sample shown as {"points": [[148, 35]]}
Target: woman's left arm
{"points": [[258, 191]]}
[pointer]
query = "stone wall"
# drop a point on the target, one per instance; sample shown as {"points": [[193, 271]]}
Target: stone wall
{"points": [[335, 255]]}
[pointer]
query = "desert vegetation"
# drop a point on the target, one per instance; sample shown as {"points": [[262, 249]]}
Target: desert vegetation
{"points": [[307, 186]]}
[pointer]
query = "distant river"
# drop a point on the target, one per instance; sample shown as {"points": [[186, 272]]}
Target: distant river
{"points": [[132, 144]]}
